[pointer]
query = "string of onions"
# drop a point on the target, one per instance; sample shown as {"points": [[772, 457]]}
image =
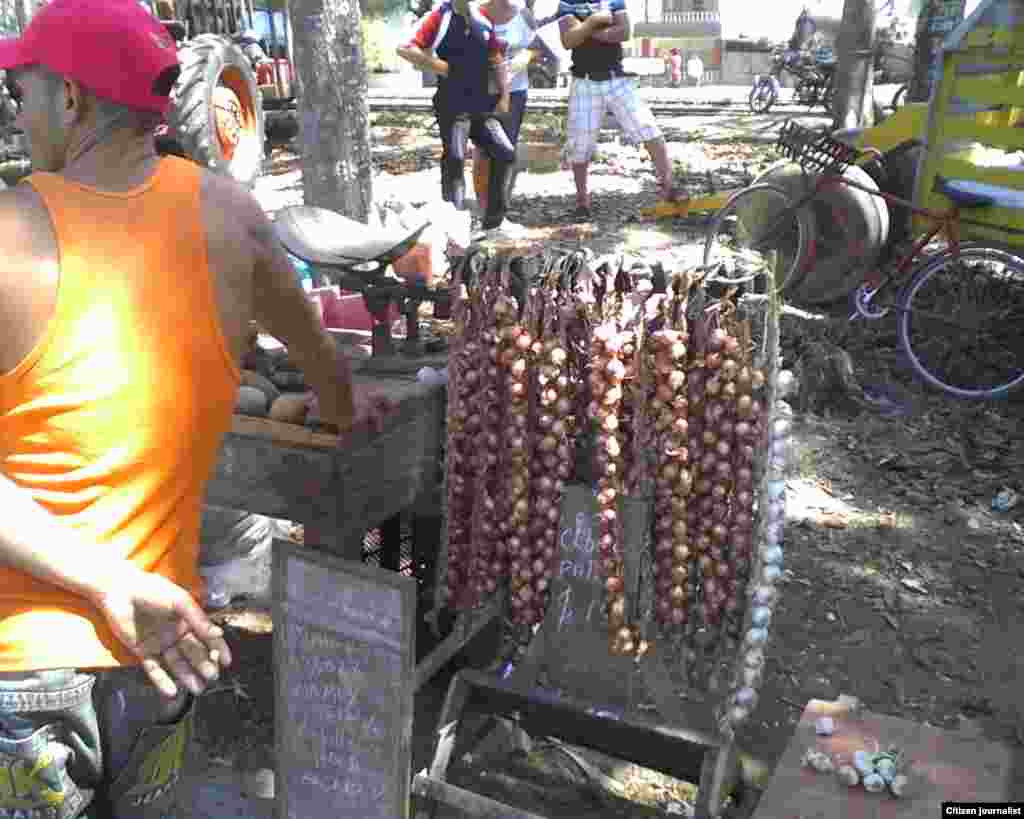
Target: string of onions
{"points": [[672, 485], [606, 388], [518, 358], [463, 430], [551, 461], [677, 411], [490, 514]]}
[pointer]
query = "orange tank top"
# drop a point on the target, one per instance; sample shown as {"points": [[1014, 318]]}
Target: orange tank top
{"points": [[114, 421]]}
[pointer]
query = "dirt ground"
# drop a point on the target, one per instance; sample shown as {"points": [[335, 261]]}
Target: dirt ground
{"points": [[901, 583]]}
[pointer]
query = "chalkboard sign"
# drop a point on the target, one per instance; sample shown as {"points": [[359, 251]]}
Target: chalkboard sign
{"points": [[576, 657], [343, 664]]}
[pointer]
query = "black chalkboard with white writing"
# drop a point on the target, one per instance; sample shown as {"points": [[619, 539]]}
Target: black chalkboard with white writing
{"points": [[576, 658], [343, 664]]}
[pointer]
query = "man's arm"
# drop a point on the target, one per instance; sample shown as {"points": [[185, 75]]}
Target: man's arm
{"points": [[34, 542], [420, 49], [282, 308], [618, 32], [423, 59], [575, 32]]}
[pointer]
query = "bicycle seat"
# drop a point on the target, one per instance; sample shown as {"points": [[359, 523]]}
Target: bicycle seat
{"points": [[322, 236], [970, 194]]}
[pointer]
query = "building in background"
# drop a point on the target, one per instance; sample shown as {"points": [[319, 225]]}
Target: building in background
{"points": [[692, 26]]}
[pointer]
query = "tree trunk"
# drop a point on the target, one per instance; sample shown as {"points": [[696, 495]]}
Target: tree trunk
{"points": [[333, 106], [854, 104], [935, 20]]}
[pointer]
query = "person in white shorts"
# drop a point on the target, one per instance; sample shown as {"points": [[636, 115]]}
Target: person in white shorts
{"points": [[595, 37]]}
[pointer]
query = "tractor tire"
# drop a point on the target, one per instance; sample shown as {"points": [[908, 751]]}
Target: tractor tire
{"points": [[853, 227], [216, 112]]}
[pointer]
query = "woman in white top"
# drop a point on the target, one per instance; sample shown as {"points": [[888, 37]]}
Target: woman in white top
{"points": [[514, 25]]}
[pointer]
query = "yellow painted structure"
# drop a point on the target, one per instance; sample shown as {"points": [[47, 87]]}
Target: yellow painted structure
{"points": [[973, 128]]}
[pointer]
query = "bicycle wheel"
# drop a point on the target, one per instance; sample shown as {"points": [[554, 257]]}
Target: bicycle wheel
{"points": [[762, 96], [756, 221], [960, 320]]}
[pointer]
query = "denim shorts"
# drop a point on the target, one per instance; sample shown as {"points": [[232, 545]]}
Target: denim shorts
{"points": [[96, 745]]}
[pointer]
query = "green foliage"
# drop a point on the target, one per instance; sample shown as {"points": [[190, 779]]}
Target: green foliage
{"points": [[380, 38]]}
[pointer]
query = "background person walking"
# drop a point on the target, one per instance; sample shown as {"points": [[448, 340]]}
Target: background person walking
{"points": [[514, 25]]}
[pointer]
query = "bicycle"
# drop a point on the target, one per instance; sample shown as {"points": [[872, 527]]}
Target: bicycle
{"points": [[815, 82], [962, 279]]}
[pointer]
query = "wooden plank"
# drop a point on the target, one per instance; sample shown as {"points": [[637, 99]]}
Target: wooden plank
{"points": [[945, 766], [678, 751], [983, 90], [954, 128], [380, 475], [467, 626], [281, 433], [467, 802], [264, 475], [343, 653], [719, 776]]}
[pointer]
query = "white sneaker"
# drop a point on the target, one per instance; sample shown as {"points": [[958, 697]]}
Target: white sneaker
{"points": [[506, 230]]}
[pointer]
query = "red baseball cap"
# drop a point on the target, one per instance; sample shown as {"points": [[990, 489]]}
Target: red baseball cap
{"points": [[115, 48]]}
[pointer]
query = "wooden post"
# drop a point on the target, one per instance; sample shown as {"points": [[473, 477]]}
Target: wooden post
{"points": [[936, 20], [853, 103], [335, 114], [273, 40]]}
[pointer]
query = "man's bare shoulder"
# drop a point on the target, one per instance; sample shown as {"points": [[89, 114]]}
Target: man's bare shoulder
{"points": [[26, 231], [22, 209], [225, 200]]}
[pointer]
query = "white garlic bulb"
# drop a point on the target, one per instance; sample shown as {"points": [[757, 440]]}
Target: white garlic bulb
{"points": [[873, 783], [737, 714], [769, 574], [862, 762], [886, 768], [899, 785], [757, 636], [751, 677], [848, 775], [765, 595], [822, 763], [747, 697]]}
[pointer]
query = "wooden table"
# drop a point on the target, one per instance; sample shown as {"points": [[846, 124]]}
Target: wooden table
{"points": [[944, 766], [337, 493]]}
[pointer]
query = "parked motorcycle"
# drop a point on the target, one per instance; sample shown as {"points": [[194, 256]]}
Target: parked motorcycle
{"points": [[815, 76]]}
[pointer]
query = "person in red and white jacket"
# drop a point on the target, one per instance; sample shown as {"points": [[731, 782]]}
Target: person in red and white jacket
{"points": [[462, 48]]}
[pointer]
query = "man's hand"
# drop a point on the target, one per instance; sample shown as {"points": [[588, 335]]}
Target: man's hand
{"points": [[504, 104], [370, 409], [164, 627], [600, 19]]}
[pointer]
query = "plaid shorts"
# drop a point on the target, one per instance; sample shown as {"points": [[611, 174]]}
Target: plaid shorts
{"points": [[589, 100]]}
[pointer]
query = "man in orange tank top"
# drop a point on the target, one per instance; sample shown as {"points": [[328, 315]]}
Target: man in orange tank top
{"points": [[127, 285]]}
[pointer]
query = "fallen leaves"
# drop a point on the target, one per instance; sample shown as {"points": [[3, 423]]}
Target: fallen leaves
{"points": [[913, 585]]}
